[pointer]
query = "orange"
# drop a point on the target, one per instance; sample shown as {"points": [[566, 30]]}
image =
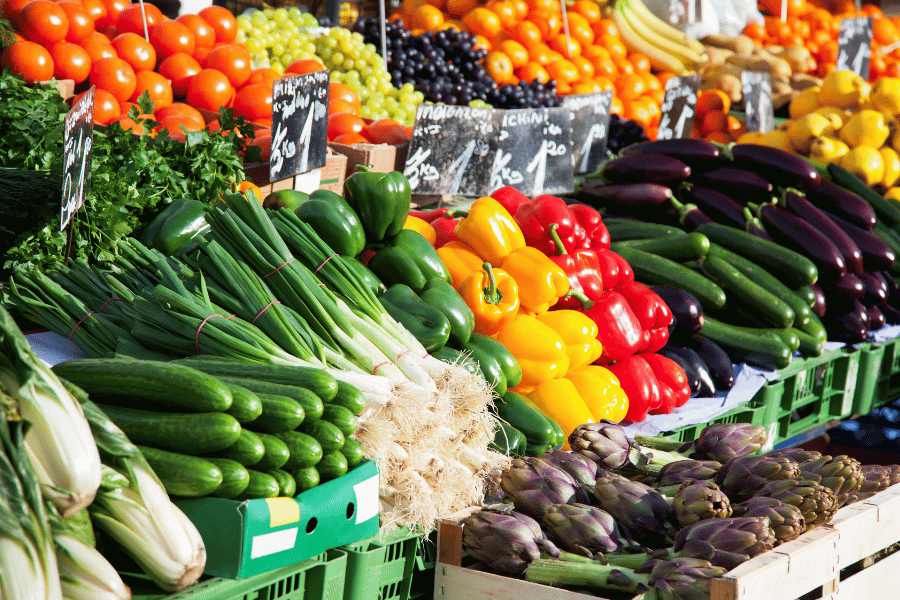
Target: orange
{"points": [[532, 71], [657, 95], [458, 8], [710, 100], [408, 7], [712, 121], [653, 109], [828, 52], [596, 53], [568, 48], [664, 77], [427, 17], [483, 22], [614, 45], [652, 82], [640, 62], [755, 31], [616, 107], [802, 29], [580, 29], [516, 52], [586, 85], [606, 67], [482, 43], [589, 10], [625, 67], [605, 83], [884, 32], [549, 23], [638, 111], [437, 3], [630, 87], [526, 33], [563, 88], [545, 5], [776, 28], [563, 70], [606, 27], [585, 67], [252, 187], [540, 54], [499, 66], [718, 136], [505, 11]]}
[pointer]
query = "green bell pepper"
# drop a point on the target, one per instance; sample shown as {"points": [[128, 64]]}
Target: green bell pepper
{"points": [[441, 295], [512, 408], [508, 440], [365, 275], [455, 357], [426, 323], [175, 230], [335, 222], [497, 365], [408, 258], [382, 201]]}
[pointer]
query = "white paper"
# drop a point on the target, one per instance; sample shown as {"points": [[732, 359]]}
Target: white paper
{"points": [[52, 348], [366, 499], [271, 543]]}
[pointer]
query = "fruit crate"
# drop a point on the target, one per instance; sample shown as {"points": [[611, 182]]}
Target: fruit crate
{"points": [[879, 381], [381, 567], [755, 412], [423, 571]]}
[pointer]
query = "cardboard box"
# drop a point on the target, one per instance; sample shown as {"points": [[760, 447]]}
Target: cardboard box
{"points": [[331, 176], [380, 157], [248, 537]]}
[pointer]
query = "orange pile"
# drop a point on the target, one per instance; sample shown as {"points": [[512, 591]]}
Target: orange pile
{"points": [[809, 24], [712, 121]]}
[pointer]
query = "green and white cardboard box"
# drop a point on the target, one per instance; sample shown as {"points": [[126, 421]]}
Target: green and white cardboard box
{"points": [[247, 537]]}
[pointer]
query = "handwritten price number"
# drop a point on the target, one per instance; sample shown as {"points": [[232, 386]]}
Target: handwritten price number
{"points": [[501, 173], [597, 132], [78, 134], [417, 170]]}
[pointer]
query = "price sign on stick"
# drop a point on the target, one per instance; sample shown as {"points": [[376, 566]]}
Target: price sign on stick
{"points": [[78, 141], [590, 128], [533, 151], [678, 107], [855, 46], [299, 124], [757, 88], [451, 149]]}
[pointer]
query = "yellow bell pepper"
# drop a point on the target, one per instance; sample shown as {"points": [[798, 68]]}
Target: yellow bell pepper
{"points": [[559, 400], [579, 333], [423, 227], [539, 350], [490, 231], [493, 297], [460, 260], [601, 392], [541, 281]]}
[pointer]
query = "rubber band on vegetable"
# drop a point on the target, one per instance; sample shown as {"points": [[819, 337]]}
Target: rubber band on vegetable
{"points": [[202, 323], [324, 263], [378, 366], [279, 267], [100, 310], [399, 356], [253, 322], [79, 323]]}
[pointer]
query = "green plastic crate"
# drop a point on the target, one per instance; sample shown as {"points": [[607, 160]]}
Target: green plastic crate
{"points": [[756, 412], [867, 387], [381, 567], [423, 571]]}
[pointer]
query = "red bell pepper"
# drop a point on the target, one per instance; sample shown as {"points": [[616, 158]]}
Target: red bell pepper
{"points": [[535, 217], [639, 382], [428, 215], [582, 267], [652, 312], [673, 385], [443, 227], [614, 269], [597, 236], [619, 329], [509, 198]]}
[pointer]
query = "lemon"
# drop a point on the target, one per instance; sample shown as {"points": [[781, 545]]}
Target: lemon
{"points": [[843, 89], [804, 130], [834, 114], [866, 163], [804, 103], [751, 137], [865, 128], [891, 167], [776, 139], [886, 95], [893, 194], [827, 149]]}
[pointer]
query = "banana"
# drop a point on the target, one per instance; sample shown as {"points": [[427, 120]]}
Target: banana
{"points": [[682, 52], [645, 16], [659, 59]]}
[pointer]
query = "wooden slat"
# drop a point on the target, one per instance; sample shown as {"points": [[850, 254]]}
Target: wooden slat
{"points": [[449, 543], [867, 527], [458, 583], [878, 582]]}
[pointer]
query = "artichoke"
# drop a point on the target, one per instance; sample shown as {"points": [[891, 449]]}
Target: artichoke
{"points": [[786, 520], [582, 469], [682, 578], [841, 473], [742, 476], [698, 501], [798, 455], [582, 529], [678, 472], [606, 444], [877, 478], [893, 472], [725, 542], [534, 486], [723, 441], [505, 543], [640, 509], [817, 502]]}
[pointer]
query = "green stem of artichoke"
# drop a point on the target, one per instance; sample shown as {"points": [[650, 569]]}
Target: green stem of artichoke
{"points": [[658, 443], [564, 573]]}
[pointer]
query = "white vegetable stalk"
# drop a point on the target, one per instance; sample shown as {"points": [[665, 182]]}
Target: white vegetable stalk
{"points": [[21, 574], [85, 574]]}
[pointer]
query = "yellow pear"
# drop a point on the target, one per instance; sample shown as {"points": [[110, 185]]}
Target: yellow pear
{"points": [[866, 163], [843, 89], [776, 139], [804, 103], [827, 149], [891, 167], [866, 128], [886, 95], [804, 130]]}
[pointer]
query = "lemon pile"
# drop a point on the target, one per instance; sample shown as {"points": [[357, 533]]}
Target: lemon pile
{"points": [[846, 121]]}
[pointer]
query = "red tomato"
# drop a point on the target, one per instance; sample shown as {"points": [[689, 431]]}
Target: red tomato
{"points": [[304, 65], [233, 60], [222, 22], [340, 91], [157, 87], [113, 8], [81, 23], [254, 102], [264, 76], [70, 61], [172, 37], [210, 89], [95, 9], [136, 51], [115, 76], [43, 22], [99, 50], [204, 35], [30, 61], [341, 123], [179, 68], [181, 109], [130, 19], [106, 107]]}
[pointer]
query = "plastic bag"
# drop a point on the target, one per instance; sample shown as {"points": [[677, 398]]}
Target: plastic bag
{"points": [[708, 24]]}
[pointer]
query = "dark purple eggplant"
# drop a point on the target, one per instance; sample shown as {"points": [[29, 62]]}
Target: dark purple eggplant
{"points": [[698, 154], [741, 184], [693, 378], [876, 254], [707, 387], [689, 215], [780, 167], [754, 226], [844, 203], [624, 194], [876, 287], [791, 231], [717, 360], [891, 314], [821, 304], [642, 168], [892, 285], [847, 327], [799, 205], [720, 207], [877, 319], [840, 291], [684, 306]]}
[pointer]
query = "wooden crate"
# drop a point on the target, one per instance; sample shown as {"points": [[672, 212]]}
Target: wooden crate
{"points": [[331, 175]]}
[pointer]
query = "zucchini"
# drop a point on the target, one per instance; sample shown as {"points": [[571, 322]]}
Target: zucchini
{"points": [[183, 475], [262, 485], [286, 483], [312, 404], [766, 351], [353, 452], [316, 380], [305, 479], [886, 210], [790, 267], [807, 294], [349, 397], [247, 450], [628, 229], [679, 248], [133, 383], [276, 455], [652, 269], [305, 450], [280, 413], [332, 466], [738, 286], [809, 344], [815, 328], [188, 433], [235, 477], [329, 436], [341, 418], [245, 405], [512, 408]]}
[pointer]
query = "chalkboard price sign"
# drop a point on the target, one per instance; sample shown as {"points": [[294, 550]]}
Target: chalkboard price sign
{"points": [[299, 124], [590, 128], [757, 88], [451, 150], [78, 141], [855, 46], [678, 107], [533, 151], [684, 12]]}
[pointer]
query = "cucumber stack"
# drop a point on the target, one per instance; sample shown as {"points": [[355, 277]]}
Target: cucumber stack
{"points": [[216, 427]]}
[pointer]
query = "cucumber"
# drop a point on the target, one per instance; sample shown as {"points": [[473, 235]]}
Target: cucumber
{"points": [[305, 479], [286, 483], [332, 466], [316, 380], [627, 229], [188, 433], [353, 452], [235, 477], [245, 405], [133, 383], [809, 344], [305, 450], [183, 475], [738, 286], [349, 397], [788, 266], [276, 455], [247, 450], [679, 248], [329, 436], [886, 211], [512, 408], [766, 351], [312, 404], [652, 269], [262, 485], [341, 418], [807, 294], [280, 413]]}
